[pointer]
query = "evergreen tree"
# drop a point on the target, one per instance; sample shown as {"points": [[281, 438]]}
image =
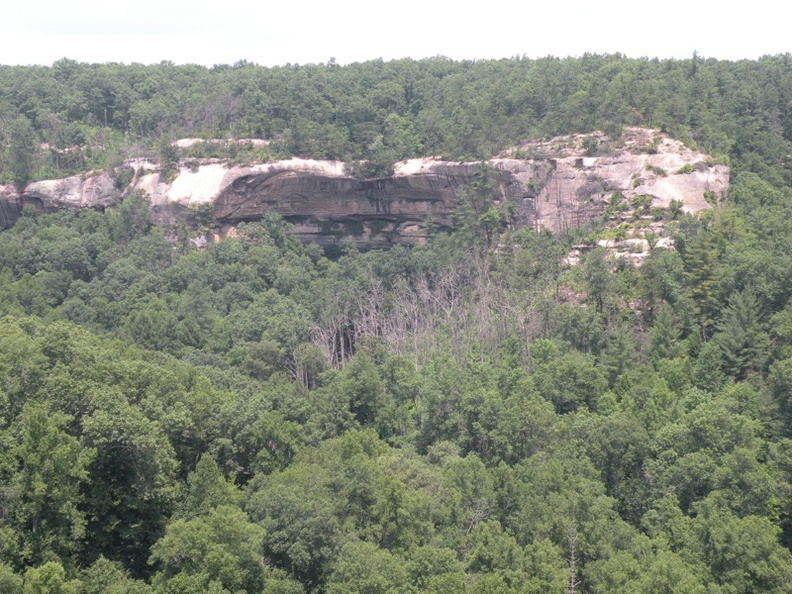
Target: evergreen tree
{"points": [[23, 151], [664, 335], [741, 335], [703, 275]]}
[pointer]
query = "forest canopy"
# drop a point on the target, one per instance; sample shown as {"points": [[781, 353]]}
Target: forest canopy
{"points": [[95, 115], [470, 415]]}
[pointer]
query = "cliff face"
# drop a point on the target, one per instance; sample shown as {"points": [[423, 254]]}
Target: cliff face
{"points": [[552, 185], [10, 206], [71, 193], [332, 209], [646, 164]]}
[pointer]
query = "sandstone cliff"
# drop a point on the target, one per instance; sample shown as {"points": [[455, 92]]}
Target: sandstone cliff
{"points": [[646, 163], [553, 184]]}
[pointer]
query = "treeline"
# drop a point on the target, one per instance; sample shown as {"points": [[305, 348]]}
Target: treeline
{"points": [[94, 115], [471, 415], [254, 417]]}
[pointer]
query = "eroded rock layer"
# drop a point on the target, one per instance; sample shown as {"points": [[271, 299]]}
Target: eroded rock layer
{"points": [[556, 184]]}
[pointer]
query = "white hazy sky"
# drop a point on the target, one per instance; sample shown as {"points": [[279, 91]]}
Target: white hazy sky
{"points": [[311, 31]]}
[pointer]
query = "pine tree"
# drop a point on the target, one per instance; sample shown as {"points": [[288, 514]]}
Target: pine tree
{"points": [[664, 335], [703, 278], [741, 335]]}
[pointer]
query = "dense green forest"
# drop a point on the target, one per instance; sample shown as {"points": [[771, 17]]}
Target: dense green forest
{"points": [[94, 115], [470, 415]]}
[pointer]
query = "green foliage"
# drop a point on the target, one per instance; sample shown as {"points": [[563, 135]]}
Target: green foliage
{"points": [[743, 553], [780, 384], [9, 581], [470, 415], [168, 153], [303, 535], [221, 546], [54, 468], [675, 209], [651, 148], [107, 577], [387, 111], [703, 276], [49, 578], [664, 335], [741, 335], [478, 216], [201, 217], [122, 177], [364, 567], [640, 204], [22, 151], [135, 491], [599, 281], [207, 489], [590, 146], [616, 204], [131, 219], [570, 382]]}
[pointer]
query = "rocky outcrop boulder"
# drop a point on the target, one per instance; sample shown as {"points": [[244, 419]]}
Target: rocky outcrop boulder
{"points": [[93, 191], [10, 206], [644, 163], [71, 193], [556, 184], [322, 199]]}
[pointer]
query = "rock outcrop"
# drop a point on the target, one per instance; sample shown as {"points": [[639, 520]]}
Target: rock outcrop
{"points": [[10, 206], [96, 191], [556, 184], [645, 163], [71, 193]]}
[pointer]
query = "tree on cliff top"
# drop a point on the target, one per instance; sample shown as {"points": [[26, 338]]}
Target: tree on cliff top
{"points": [[22, 151]]}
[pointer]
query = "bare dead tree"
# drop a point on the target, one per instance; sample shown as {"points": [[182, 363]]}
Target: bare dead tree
{"points": [[462, 307]]}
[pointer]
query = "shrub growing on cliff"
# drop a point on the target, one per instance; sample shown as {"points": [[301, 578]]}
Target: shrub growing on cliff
{"points": [[590, 146]]}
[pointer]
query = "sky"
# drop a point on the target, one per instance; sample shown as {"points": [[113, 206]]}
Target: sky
{"points": [[314, 31]]}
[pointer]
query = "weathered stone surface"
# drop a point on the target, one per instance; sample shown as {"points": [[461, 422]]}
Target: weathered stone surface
{"points": [[10, 206], [321, 198], [75, 192], [331, 207], [579, 187], [558, 187]]}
